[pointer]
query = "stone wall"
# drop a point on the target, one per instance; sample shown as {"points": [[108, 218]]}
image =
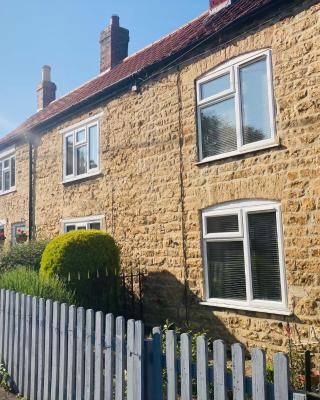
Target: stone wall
{"points": [[14, 206], [151, 189]]}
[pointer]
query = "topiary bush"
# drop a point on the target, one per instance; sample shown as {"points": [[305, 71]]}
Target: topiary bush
{"points": [[27, 281], [87, 260], [27, 254]]}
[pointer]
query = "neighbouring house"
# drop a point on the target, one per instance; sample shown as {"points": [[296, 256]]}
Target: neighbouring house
{"points": [[200, 154]]}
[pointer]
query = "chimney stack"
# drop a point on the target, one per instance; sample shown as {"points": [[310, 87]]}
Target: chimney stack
{"points": [[217, 5], [46, 90], [114, 42]]}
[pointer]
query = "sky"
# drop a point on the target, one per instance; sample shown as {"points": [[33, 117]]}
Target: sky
{"points": [[65, 35]]}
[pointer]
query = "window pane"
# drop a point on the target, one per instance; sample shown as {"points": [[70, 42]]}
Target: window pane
{"points": [[7, 180], [6, 164], [70, 228], [255, 102], [95, 225], [93, 146], [215, 86], [69, 160], [264, 256], [223, 223], [81, 135], [81, 160], [81, 227], [218, 128], [226, 270], [13, 171]]}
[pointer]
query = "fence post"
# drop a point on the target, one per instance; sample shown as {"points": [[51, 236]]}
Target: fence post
{"points": [[72, 320], [238, 372], [63, 351], [202, 368], [120, 331], [2, 322], [34, 349], [139, 360], [16, 346], [258, 374], [98, 355], [88, 376], [22, 342], [80, 353], [27, 361], [186, 367], [6, 328], [171, 361], [281, 376], [219, 370], [41, 350], [11, 332], [55, 350], [48, 351], [109, 364], [157, 364], [130, 359]]}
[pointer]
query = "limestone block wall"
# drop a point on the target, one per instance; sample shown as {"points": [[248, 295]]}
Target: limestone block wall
{"points": [[151, 190]]}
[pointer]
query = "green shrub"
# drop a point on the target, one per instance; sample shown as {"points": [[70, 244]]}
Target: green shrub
{"points": [[83, 259], [81, 252], [27, 254], [27, 281]]}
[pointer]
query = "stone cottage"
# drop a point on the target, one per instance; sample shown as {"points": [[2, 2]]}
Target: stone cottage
{"points": [[200, 154]]}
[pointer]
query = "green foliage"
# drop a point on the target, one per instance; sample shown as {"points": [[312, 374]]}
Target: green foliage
{"points": [[5, 378], [27, 281], [81, 253], [27, 254], [82, 259]]}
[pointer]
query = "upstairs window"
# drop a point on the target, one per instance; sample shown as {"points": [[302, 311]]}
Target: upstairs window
{"points": [[7, 172], [81, 150], [244, 265], [235, 107]]}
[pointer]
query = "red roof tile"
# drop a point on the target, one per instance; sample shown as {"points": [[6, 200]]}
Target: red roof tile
{"points": [[186, 36]]}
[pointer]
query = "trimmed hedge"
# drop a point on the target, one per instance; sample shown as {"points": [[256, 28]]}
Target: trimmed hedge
{"points": [[27, 254], [24, 280], [81, 253]]}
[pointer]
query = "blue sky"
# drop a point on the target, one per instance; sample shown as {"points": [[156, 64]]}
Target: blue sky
{"points": [[65, 35]]}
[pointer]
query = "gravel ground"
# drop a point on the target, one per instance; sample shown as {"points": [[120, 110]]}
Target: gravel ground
{"points": [[6, 396]]}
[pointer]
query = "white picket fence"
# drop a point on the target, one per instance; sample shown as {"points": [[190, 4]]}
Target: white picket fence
{"points": [[55, 351]]}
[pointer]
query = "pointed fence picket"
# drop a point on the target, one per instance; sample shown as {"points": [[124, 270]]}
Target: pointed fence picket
{"points": [[62, 352]]}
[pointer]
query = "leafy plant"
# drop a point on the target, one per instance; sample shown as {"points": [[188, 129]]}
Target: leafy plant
{"points": [[27, 281], [5, 378], [27, 254]]}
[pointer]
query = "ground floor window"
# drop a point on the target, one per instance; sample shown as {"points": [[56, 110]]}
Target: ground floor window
{"points": [[19, 233], [83, 224], [2, 234], [244, 264]]}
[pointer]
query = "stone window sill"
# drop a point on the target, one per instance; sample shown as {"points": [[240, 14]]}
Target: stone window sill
{"points": [[278, 311]]}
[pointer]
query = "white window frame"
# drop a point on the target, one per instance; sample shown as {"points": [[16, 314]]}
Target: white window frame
{"points": [[83, 221], [233, 67], [72, 131], [8, 155], [243, 208]]}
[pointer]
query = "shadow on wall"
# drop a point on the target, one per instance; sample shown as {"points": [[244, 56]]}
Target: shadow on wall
{"points": [[165, 297]]}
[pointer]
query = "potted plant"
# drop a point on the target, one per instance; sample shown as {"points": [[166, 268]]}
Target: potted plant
{"points": [[21, 236]]}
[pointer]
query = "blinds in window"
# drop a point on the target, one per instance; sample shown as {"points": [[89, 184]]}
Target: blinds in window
{"points": [[223, 224], [264, 253], [226, 270]]}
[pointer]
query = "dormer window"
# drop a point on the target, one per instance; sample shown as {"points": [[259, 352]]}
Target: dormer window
{"points": [[235, 107], [81, 150], [7, 171]]}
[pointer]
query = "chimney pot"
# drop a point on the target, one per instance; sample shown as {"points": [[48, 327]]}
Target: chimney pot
{"points": [[217, 5], [46, 90], [114, 42]]}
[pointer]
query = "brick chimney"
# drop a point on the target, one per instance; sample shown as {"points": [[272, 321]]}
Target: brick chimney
{"points": [[114, 42], [46, 90], [217, 5]]}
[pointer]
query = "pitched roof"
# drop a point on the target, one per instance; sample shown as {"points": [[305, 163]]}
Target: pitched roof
{"points": [[188, 35]]}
